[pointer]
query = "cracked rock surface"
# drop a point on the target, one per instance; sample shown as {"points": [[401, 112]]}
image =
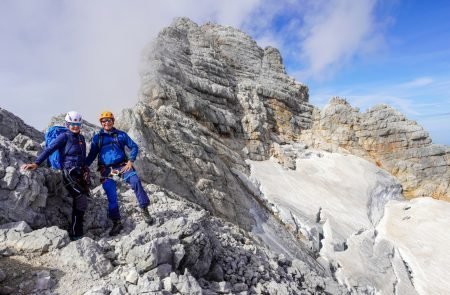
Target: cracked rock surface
{"points": [[188, 251], [385, 137], [217, 116]]}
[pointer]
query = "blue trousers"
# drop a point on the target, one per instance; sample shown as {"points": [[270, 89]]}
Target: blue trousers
{"points": [[110, 187]]}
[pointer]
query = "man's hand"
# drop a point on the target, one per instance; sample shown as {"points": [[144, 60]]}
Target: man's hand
{"points": [[31, 166], [127, 167]]}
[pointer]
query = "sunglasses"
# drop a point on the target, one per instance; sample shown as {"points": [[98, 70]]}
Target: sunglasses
{"points": [[75, 124], [106, 121]]}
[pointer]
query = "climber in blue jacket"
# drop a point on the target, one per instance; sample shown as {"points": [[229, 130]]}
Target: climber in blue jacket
{"points": [[109, 145], [72, 149]]}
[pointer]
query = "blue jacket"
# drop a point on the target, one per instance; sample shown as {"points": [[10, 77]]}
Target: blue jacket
{"points": [[76, 150], [110, 148]]}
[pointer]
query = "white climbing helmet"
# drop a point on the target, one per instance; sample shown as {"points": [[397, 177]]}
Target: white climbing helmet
{"points": [[73, 117]]}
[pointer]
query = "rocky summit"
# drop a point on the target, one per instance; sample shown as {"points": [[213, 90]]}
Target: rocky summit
{"points": [[384, 136], [254, 190]]}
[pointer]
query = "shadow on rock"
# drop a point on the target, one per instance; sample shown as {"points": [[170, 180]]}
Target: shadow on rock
{"points": [[17, 276]]}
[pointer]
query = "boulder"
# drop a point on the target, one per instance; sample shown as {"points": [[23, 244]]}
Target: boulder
{"points": [[86, 255]]}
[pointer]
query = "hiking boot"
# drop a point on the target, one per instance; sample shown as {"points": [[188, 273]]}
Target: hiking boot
{"points": [[116, 228], [146, 215]]}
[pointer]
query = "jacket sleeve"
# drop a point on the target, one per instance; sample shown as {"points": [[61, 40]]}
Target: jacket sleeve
{"points": [[134, 149], [58, 143], [94, 150]]}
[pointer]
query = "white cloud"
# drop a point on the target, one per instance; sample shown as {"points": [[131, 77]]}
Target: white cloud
{"points": [[419, 82], [232, 12], [268, 40], [84, 55], [335, 32], [90, 50], [62, 55]]}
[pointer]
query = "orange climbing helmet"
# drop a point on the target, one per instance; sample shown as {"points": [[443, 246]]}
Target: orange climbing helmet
{"points": [[106, 115]]}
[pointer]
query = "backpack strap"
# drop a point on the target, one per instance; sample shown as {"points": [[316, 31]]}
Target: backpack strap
{"points": [[115, 141], [67, 147], [83, 141], [100, 141]]}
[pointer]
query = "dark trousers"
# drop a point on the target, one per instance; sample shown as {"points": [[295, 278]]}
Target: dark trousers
{"points": [[78, 189]]}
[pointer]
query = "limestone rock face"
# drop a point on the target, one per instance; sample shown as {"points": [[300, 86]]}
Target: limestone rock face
{"points": [[210, 99], [22, 195], [86, 256], [36, 197], [11, 126], [187, 251], [220, 77], [18, 237], [386, 137], [182, 155]]}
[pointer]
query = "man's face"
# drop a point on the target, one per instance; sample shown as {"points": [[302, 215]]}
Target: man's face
{"points": [[75, 127], [107, 124]]}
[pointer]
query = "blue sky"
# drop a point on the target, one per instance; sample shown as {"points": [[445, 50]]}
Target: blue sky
{"points": [[58, 55]]}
